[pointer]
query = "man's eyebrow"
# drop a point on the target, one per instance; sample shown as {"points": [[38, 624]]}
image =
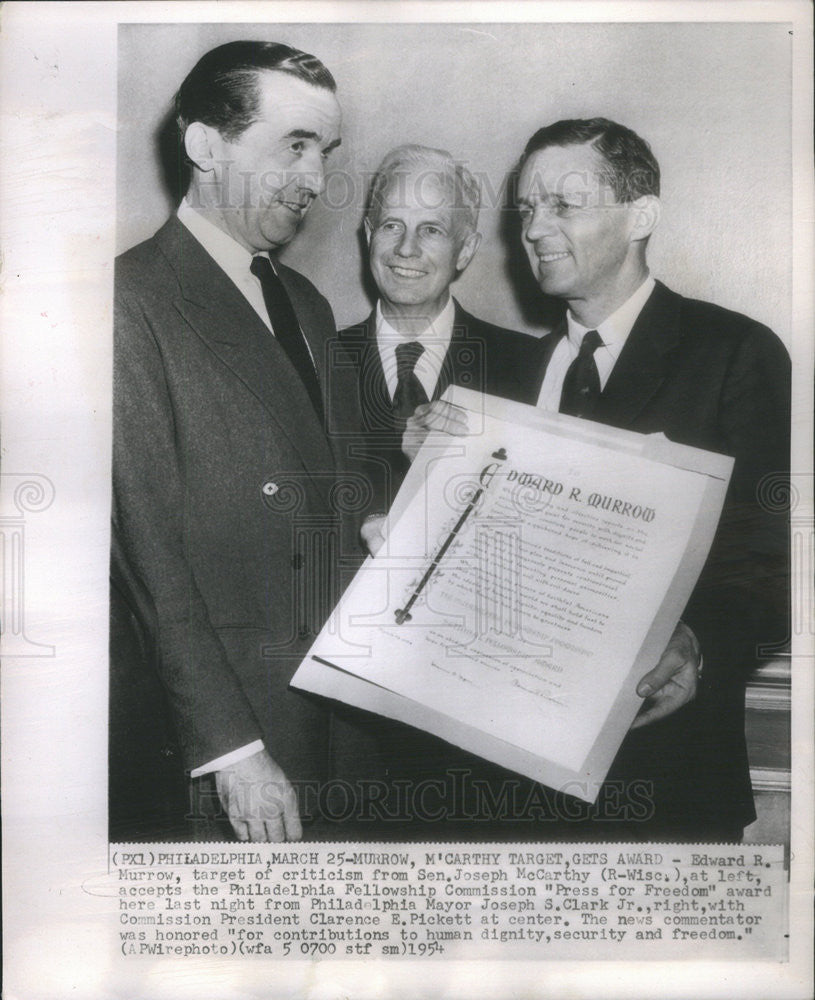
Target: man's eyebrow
{"points": [[301, 133]]}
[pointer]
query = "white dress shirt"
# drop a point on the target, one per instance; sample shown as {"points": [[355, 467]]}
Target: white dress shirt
{"points": [[613, 331], [435, 339], [229, 255], [235, 261]]}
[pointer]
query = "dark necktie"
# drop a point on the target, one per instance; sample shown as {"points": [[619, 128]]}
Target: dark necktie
{"points": [[581, 386], [409, 390], [287, 329]]}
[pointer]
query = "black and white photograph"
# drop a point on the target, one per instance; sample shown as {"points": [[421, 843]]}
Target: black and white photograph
{"points": [[241, 497], [407, 500]]}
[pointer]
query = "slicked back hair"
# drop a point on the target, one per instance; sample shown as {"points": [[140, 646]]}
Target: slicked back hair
{"points": [[222, 89], [627, 164], [426, 162]]}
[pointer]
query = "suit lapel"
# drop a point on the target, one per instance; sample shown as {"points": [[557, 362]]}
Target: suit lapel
{"points": [[374, 398], [460, 366], [220, 315], [644, 362], [534, 380], [315, 338]]}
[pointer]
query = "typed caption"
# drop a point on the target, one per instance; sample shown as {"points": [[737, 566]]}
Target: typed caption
{"points": [[451, 901]]}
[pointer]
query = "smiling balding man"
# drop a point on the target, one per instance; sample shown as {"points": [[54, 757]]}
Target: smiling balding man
{"points": [[421, 227]]}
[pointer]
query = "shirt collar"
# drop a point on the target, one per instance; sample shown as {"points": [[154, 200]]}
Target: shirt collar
{"points": [[441, 328], [614, 331], [227, 253]]}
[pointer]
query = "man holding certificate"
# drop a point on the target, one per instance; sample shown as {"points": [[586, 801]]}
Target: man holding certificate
{"points": [[634, 355]]}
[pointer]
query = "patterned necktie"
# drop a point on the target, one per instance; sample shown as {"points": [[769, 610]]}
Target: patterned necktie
{"points": [[287, 330], [409, 390], [581, 386]]}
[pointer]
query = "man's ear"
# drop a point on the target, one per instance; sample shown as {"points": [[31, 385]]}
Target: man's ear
{"points": [[467, 251], [199, 143], [647, 212]]}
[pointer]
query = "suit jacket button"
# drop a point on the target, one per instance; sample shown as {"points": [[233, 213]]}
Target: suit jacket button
{"points": [[269, 489], [167, 751]]}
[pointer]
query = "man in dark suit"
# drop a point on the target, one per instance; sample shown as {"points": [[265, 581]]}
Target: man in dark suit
{"points": [[421, 227], [227, 456], [633, 354]]}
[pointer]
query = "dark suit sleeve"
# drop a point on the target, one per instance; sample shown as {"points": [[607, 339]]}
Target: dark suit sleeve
{"points": [[151, 532], [739, 607]]}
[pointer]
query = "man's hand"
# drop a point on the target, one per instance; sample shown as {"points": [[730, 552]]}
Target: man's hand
{"points": [[258, 799], [429, 417], [673, 681], [373, 532]]}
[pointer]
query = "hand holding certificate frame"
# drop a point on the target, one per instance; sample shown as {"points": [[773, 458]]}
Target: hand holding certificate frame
{"points": [[532, 575]]}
